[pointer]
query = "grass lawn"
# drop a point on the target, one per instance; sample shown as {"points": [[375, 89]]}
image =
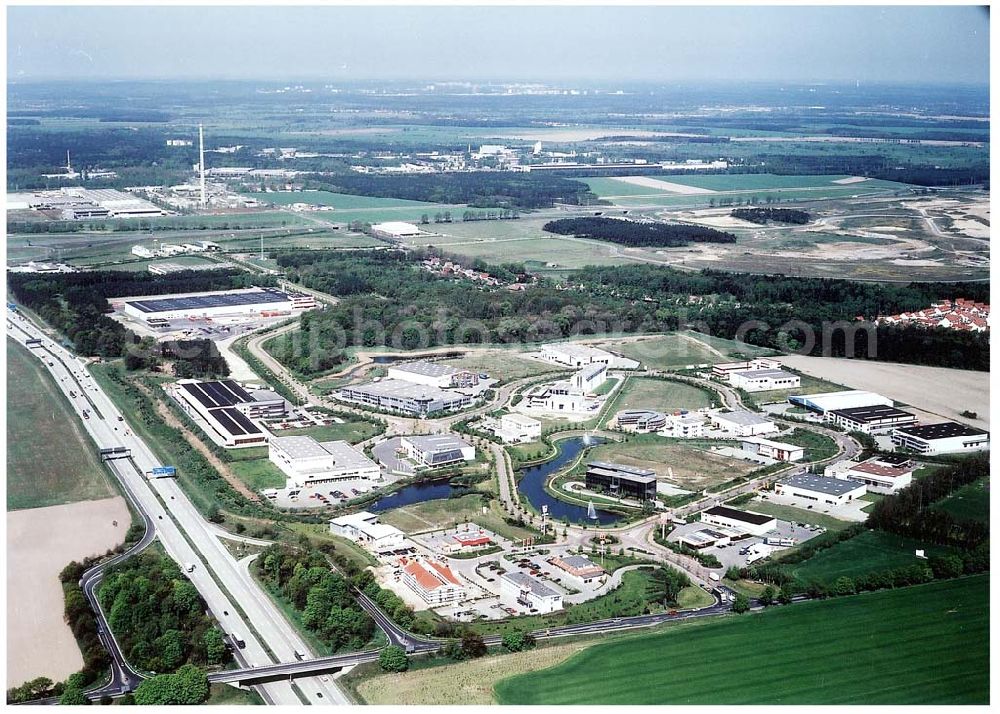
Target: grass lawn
{"points": [[670, 351], [659, 394], [350, 431], [608, 385], [731, 348], [798, 515], [259, 474], [694, 466], [817, 446], [505, 365], [872, 551], [969, 503], [224, 694], [933, 639], [50, 458], [448, 512], [693, 597]]}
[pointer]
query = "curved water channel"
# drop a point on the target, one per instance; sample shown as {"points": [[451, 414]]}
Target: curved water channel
{"points": [[531, 486]]}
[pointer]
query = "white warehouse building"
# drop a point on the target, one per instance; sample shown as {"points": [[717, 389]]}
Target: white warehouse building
{"points": [[573, 355], [250, 301], [517, 588], [433, 374], [364, 529], [743, 423], [306, 461], [829, 491], [745, 521], [518, 429], [764, 380], [944, 438]]}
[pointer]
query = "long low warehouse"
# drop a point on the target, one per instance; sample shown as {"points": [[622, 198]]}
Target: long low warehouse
{"points": [[746, 521], [831, 491], [251, 301], [225, 410]]}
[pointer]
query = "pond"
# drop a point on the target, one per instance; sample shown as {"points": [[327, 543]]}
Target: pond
{"points": [[532, 484], [414, 493]]}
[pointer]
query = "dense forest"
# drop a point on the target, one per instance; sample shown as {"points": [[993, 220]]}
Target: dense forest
{"points": [[763, 215], [158, 617], [798, 314], [635, 233], [76, 304], [322, 597], [480, 190], [388, 300]]}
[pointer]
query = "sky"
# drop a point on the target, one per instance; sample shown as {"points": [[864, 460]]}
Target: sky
{"points": [[922, 44]]}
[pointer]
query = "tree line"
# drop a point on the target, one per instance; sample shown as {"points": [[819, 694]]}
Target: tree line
{"points": [[635, 233], [477, 189], [910, 512], [76, 304], [321, 596], [158, 616], [763, 215]]}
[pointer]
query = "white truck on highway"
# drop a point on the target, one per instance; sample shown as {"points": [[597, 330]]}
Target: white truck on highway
{"points": [[189, 567]]}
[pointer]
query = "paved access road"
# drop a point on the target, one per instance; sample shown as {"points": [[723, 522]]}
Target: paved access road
{"points": [[241, 607]]}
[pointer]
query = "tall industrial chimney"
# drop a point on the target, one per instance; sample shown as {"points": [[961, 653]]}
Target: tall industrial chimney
{"points": [[201, 164]]}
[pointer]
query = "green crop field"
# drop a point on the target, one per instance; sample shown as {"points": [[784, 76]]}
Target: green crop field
{"points": [[870, 552], [50, 459], [927, 644], [969, 503]]}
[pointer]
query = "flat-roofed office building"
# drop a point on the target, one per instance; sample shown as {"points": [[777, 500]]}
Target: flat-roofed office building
{"points": [[622, 481]]}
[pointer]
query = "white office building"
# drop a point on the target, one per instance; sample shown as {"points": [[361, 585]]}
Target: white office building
{"points": [[945, 438], [776, 450], [875, 419], [364, 529], [684, 426], [880, 474], [143, 252], [433, 374], [641, 421], [518, 429], [398, 395], [764, 380], [437, 450], [574, 355], [306, 461], [521, 589], [820, 489], [743, 423]]}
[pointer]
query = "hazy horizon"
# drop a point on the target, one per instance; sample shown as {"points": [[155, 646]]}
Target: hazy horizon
{"points": [[629, 45]]}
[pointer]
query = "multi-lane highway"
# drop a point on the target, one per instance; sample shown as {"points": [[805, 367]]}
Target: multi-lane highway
{"points": [[241, 607]]}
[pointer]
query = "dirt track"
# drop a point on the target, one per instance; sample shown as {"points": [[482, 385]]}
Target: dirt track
{"points": [[40, 542], [942, 392]]}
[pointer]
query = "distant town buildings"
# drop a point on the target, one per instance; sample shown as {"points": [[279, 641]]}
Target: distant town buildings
{"points": [[958, 314]]}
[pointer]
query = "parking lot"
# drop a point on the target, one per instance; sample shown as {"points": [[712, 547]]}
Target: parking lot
{"points": [[737, 551], [332, 493]]}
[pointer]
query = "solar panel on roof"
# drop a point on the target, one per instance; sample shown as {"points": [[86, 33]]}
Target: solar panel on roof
{"points": [[197, 393], [222, 416], [248, 426]]}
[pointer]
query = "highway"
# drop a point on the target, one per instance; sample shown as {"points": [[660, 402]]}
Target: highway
{"points": [[239, 604], [422, 646]]}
